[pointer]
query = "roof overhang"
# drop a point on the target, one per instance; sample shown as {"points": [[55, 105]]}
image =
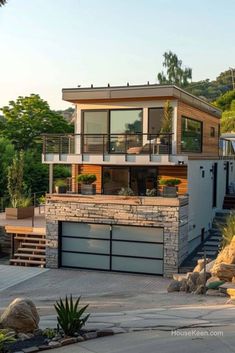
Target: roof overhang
{"points": [[146, 92]]}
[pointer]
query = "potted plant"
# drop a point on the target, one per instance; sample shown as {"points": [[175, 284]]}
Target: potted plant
{"points": [[170, 187], [60, 186], [20, 204], [87, 186], [126, 192]]}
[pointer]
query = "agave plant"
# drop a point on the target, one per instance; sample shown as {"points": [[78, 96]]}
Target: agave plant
{"points": [[70, 318], [5, 338]]}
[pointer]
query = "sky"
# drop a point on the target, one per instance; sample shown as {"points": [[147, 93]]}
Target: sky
{"points": [[47, 45]]}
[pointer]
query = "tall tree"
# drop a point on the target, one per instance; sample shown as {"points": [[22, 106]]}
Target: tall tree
{"points": [[174, 73], [27, 118]]}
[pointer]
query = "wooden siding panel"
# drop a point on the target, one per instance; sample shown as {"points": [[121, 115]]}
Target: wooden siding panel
{"points": [[176, 172], [210, 145]]}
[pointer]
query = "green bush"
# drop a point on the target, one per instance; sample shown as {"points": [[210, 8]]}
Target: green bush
{"points": [[60, 183], [169, 182], [86, 178], [228, 231], [70, 318]]}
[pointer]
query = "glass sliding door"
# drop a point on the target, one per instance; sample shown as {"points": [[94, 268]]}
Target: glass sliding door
{"points": [[143, 178], [95, 122], [126, 128], [191, 135]]}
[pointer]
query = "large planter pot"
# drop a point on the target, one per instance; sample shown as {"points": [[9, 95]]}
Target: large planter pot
{"points": [[19, 213], [61, 189], [88, 189], [169, 191]]}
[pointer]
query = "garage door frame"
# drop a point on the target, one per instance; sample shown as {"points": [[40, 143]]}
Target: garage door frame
{"points": [[60, 250]]}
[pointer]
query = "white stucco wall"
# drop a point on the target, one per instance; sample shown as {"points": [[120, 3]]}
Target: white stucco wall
{"points": [[201, 212]]}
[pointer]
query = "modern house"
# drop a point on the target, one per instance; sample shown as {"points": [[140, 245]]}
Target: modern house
{"points": [[121, 136]]}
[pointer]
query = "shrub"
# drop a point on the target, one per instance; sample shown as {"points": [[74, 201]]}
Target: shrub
{"points": [[86, 178], [169, 182], [228, 231], [126, 192], [70, 318], [60, 183]]}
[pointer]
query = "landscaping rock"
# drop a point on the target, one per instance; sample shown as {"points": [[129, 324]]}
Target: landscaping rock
{"points": [[192, 281], [21, 315], [183, 285], [174, 286], [179, 276], [30, 349], [68, 340], [54, 344], [103, 333], [199, 290], [90, 335], [224, 271], [200, 265]]}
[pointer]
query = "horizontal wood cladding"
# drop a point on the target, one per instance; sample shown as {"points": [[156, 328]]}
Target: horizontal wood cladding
{"points": [[175, 172], [87, 169], [210, 146]]}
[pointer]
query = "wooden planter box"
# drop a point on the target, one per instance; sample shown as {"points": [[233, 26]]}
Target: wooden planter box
{"points": [[87, 189], [19, 213], [169, 191]]}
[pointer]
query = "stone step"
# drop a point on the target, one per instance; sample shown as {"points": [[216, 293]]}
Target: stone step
{"points": [[42, 251], [27, 262], [29, 256]]}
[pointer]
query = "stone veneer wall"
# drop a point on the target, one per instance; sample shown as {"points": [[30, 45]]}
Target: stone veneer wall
{"points": [[171, 214]]}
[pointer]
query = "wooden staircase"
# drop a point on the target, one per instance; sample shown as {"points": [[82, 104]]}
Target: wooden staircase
{"points": [[28, 246]]}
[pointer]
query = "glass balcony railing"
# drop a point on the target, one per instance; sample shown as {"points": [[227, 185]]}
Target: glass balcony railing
{"points": [[152, 144]]}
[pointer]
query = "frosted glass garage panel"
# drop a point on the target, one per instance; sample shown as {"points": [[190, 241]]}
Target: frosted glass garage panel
{"points": [[137, 265], [99, 262], [137, 249], [85, 245], [73, 229], [138, 233]]}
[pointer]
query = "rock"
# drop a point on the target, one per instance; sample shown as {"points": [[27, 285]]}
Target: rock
{"points": [[192, 281], [199, 290], [179, 276], [183, 285], [30, 349], [23, 336], [90, 335], [103, 333], [224, 271], [54, 344], [201, 279], [68, 340], [79, 339], [174, 286], [200, 265], [21, 315], [215, 293]]}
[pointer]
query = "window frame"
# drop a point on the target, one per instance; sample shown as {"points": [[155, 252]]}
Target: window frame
{"points": [[212, 134], [149, 133], [201, 142]]}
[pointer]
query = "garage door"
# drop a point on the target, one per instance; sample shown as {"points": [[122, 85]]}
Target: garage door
{"points": [[112, 248]]}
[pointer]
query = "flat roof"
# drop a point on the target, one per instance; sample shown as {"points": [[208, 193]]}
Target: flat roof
{"points": [[136, 92]]}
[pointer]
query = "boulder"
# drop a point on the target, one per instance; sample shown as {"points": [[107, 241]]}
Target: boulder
{"points": [[192, 281], [215, 293], [224, 271], [183, 285], [21, 315], [174, 286], [208, 267], [200, 265], [199, 289]]}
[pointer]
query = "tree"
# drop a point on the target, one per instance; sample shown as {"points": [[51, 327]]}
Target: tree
{"points": [[224, 102], [27, 118], [6, 156], [15, 179], [167, 118], [3, 2], [175, 74]]}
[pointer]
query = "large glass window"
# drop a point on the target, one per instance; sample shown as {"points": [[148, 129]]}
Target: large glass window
{"points": [[114, 179], [155, 117], [125, 125], [191, 135], [94, 122]]}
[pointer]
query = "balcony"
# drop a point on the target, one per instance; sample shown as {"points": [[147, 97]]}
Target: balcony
{"points": [[108, 148]]}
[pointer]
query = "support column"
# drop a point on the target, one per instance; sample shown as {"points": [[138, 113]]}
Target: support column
{"points": [[50, 178]]}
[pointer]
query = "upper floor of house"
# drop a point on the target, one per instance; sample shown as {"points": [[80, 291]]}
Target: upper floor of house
{"points": [[136, 124]]}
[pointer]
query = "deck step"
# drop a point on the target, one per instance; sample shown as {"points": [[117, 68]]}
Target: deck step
{"points": [[43, 251], [17, 237], [43, 245], [26, 262], [29, 256]]}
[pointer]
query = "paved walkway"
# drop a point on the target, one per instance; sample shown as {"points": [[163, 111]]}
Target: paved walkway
{"points": [[13, 275]]}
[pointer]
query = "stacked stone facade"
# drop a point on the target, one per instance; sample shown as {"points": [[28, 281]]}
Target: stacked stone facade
{"points": [[169, 214]]}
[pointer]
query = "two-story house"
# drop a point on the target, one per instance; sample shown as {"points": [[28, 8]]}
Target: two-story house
{"points": [[121, 137]]}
